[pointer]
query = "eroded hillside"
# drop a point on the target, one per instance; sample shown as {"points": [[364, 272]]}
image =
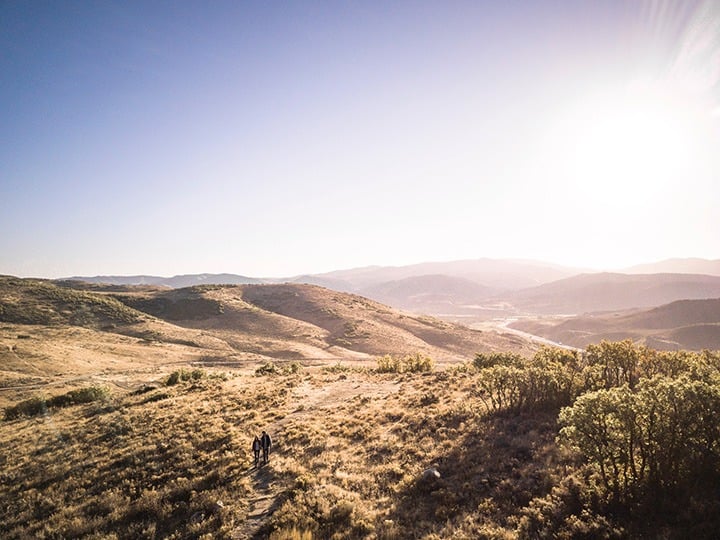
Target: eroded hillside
{"points": [[307, 321], [51, 333]]}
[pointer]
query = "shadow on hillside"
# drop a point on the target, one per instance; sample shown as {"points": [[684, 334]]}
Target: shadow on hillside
{"points": [[498, 466]]}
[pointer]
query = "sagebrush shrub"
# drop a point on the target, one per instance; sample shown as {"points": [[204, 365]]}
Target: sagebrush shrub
{"points": [[410, 363], [39, 405]]}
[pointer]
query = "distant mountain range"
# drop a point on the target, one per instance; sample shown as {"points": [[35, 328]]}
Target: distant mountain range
{"points": [[587, 293], [497, 274], [677, 266], [175, 282], [486, 288], [567, 304]]}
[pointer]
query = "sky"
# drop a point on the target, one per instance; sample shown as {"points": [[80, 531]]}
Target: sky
{"points": [[273, 139]]}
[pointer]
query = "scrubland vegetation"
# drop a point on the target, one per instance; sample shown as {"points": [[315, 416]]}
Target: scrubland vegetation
{"points": [[620, 441], [34, 301], [40, 404]]}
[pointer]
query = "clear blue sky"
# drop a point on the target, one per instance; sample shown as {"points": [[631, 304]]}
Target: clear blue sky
{"points": [[278, 138]]}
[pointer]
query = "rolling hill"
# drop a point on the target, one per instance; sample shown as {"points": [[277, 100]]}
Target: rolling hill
{"points": [[482, 289], [231, 323], [435, 288], [587, 293], [684, 324], [34, 301], [310, 321]]}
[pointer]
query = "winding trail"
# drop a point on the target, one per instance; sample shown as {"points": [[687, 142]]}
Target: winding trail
{"points": [[308, 400], [261, 505]]}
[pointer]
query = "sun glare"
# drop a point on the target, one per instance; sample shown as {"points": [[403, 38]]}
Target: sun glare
{"points": [[623, 146]]}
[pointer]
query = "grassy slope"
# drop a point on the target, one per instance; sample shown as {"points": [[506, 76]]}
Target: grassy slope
{"points": [[350, 447], [227, 324], [350, 444], [173, 462], [29, 301], [372, 327], [306, 321]]}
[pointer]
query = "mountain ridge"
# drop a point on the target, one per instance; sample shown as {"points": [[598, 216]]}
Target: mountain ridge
{"points": [[481, 289], [683, 324], [608, 291]]}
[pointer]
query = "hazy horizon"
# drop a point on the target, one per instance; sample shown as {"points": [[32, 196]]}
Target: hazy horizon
{"points": [[274, 140], [540, 263]]}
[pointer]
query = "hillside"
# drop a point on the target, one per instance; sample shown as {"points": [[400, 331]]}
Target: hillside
{"points": [[482, 289], [238, 323], [32, 301], [684, 324], [472, 450], [307, 321], [135, 420], [610, 292]]}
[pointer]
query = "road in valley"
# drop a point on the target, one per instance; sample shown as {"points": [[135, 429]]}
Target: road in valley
{"points": [[502, 325]]}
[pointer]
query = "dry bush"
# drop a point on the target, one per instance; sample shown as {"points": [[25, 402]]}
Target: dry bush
{"points": [[183, 375], [270, 368], [40, 405], [410, 363]]}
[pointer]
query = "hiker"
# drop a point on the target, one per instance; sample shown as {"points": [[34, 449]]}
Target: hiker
{"points": [[266, 443], [256, 449]]}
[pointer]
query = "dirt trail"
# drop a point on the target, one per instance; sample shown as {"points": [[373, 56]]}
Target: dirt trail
{"points": [[308, 400], [260, 505]]}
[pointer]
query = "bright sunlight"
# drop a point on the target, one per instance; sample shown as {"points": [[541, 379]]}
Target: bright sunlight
{"points": [[624, 145]]}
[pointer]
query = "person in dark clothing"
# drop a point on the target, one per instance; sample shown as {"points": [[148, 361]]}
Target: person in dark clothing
{"points": [[266, 443], [256, 446]]}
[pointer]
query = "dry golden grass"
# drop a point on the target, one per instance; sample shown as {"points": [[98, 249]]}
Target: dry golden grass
{"points": [[381, 448], [350, 447]]}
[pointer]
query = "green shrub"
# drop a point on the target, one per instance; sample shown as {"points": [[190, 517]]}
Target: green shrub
{"points": [[410, 363], [337, 368], [294, 367], [86, 395], [417, 363], [30, 407], [657, 440], [388, 364], [182, 375], [487, 360], [39, 405], [503, 387], [269, 368]]}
